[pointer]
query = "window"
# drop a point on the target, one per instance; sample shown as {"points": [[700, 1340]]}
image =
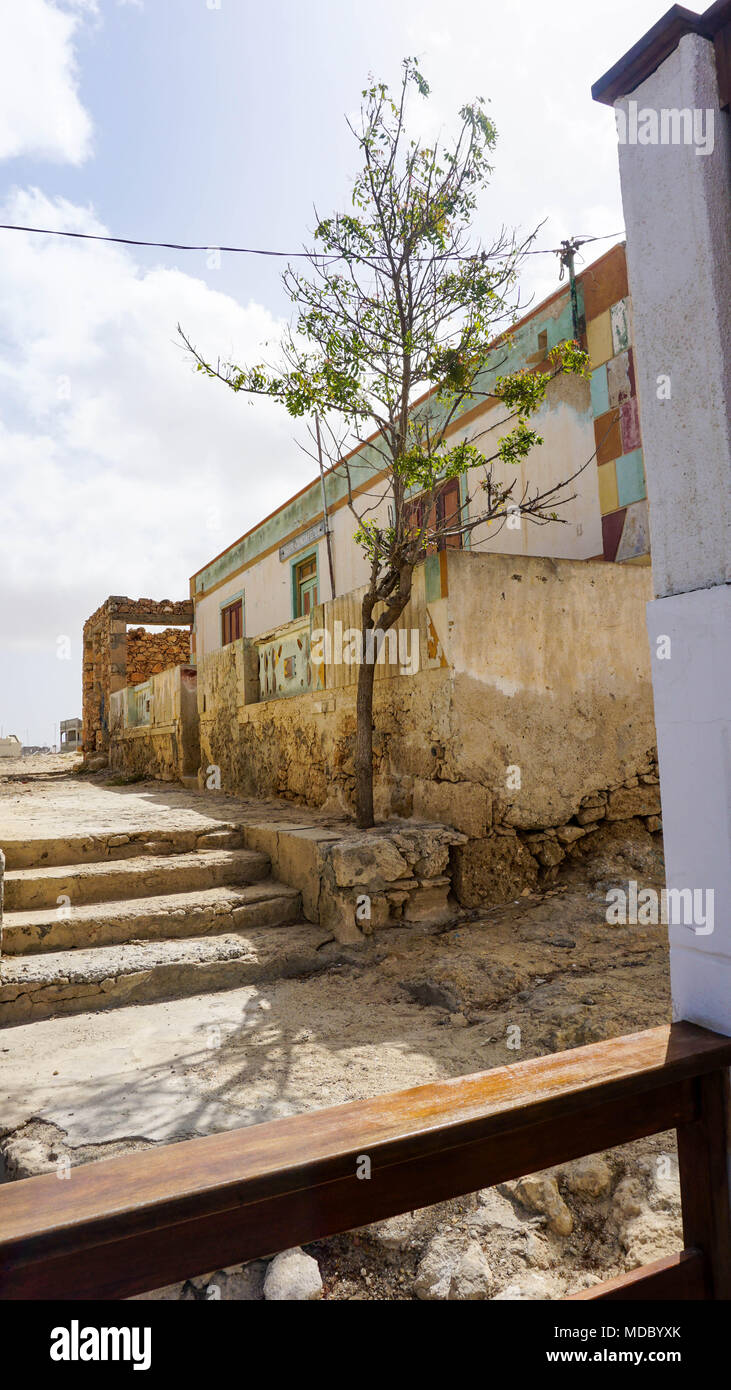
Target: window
{"points": [[232, 624], [444, 510], [305, 586]]}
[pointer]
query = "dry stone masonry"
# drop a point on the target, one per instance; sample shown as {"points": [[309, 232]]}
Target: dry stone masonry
{"points": [[508, 859], [149, 653], [106, 658]]}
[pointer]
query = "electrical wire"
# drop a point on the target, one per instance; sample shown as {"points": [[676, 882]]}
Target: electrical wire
{"points": [[259, 251]]}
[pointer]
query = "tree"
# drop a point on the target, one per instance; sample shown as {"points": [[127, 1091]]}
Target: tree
{"points": [[396, 302]]}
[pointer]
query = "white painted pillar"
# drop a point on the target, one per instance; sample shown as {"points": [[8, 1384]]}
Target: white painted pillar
{"points": [[677, 206]]}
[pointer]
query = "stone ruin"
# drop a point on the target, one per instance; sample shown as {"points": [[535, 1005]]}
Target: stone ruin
{"points": [[114, 658]]}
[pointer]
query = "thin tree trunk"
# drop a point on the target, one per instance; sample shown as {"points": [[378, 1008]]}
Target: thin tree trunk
{"points": [[395, 605], [364, 717], [364, 745]]}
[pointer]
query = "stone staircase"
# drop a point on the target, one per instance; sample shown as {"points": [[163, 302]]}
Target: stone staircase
{"points": [[95, 922]]}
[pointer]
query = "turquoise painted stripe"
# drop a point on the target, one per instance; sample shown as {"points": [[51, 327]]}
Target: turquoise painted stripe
{"points": [[630, 478], [599, 391]]}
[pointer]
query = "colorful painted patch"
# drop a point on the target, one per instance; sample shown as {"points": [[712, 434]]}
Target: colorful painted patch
{"points": [[603, 284], [631, 478], [599, 339], [619, 314], [630, 421], [608, 498], [608, 437], [612, 533], [599, 391], [635, 539], [619, 382]]}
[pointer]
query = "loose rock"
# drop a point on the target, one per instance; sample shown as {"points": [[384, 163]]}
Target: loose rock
{"points": [[539, 1192], [293, 1276], [453, 1271]]}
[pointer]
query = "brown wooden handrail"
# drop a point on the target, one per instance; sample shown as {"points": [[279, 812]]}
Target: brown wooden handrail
{"points": [[131, 1224], [676, 1276]]}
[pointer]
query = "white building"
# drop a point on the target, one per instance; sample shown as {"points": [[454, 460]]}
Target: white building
{"points": [[280, 569]]}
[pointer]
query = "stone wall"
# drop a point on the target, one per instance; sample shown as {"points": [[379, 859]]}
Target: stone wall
{"points": [[167, 747], [529, 720], [356, 882], [148, 653], [105, 656]]}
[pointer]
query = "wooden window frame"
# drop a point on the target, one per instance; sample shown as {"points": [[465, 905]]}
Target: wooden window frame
{"points": [[416, 507], [296, 563], [228, 610]]}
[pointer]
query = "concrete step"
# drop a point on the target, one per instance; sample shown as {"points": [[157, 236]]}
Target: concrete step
{"points": [[56, 983], [170, 915], [111, 844], [146, 875]]}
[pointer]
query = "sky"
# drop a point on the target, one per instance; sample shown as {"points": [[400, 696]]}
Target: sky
{"points": [[219, 122]]}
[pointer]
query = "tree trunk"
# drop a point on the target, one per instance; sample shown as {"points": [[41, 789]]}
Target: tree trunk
{"points": [[395, 605], [364, 746]]}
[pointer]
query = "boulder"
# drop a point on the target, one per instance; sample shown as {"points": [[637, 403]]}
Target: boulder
{"points": [[426, 848], [588, 1177], [493, 870], [291, 1277], [496, 1212], [453, 1270], [539, 1192], [242, 1284]]}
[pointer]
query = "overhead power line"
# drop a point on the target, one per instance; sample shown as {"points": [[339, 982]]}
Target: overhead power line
{"points": [[260, 251]]}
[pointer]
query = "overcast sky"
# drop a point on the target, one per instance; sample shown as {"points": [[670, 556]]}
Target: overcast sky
{"points": [[217, 121]]}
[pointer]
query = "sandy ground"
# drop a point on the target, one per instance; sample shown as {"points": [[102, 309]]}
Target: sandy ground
{"points": [[403, 1012]]}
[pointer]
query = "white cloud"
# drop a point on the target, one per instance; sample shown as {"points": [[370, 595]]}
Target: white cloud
{"points": [[123, 470], [41, 114]]}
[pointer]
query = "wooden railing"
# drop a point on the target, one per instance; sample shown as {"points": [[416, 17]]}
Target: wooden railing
{"points": [[131, 1224]]}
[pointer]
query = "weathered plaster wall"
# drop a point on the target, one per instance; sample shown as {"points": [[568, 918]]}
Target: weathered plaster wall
{"points": [[688, 435], [566, 424], [551, 675], [530, 717], [168, 747], [688, 450]]}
